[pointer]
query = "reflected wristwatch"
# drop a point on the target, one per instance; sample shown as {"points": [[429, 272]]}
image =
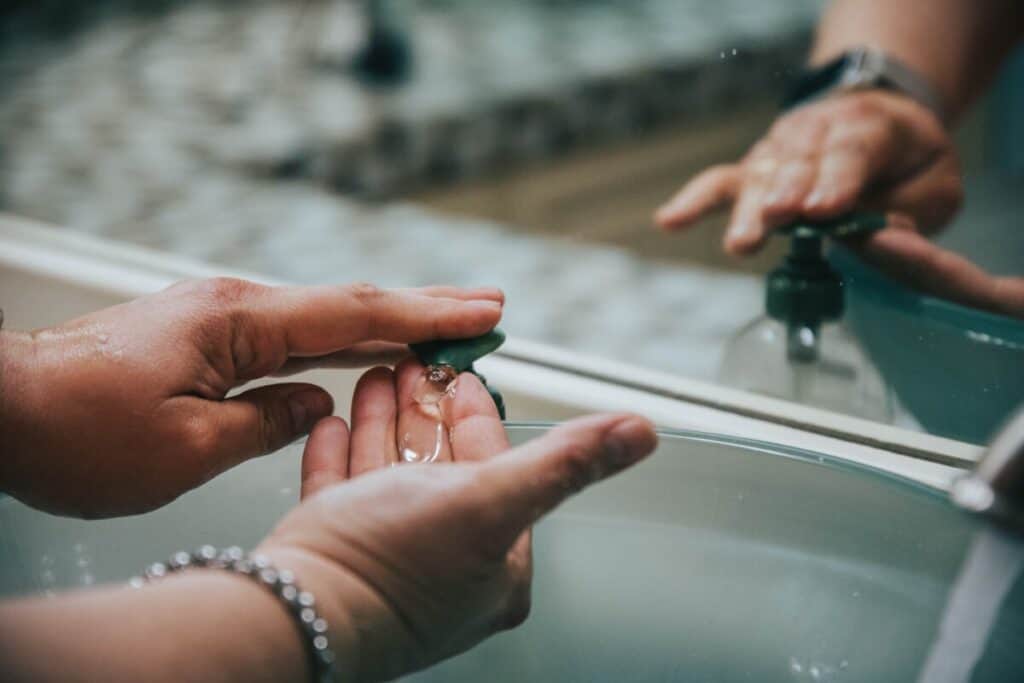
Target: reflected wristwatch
{"points": [[863, 69]]}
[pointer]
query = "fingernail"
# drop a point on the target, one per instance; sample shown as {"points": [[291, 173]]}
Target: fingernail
{"points": [[629, 440], [740, 230], [492, 294], [485, 304], [307, 407], [814, 199]]}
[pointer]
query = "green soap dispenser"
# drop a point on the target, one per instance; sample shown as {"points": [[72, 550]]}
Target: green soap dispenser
{"points": [[799, 350], [460, 354]]}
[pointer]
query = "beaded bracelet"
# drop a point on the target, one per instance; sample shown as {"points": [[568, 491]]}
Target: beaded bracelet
{"points": [[299, 603]]}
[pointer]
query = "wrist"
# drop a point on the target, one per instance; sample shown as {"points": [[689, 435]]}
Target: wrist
{"points": [[332, 587], [861, 68], [265, 645]]}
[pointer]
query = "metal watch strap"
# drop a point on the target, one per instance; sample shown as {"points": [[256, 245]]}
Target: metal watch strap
{"points": [[864, 69]]}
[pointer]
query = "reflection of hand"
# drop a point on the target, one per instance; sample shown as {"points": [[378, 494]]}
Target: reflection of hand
{"points": [[123, 410], [415, 563], [907, 257], [871, 149]]}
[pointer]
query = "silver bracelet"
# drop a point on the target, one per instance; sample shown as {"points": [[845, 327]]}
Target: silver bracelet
{"points": [[299, 603]]}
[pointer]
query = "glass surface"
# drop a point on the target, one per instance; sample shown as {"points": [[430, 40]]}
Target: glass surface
{"points": [[823, 367], [527, 148], [718, 559]]}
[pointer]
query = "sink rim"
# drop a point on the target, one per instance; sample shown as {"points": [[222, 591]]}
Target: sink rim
{"points": [[761, 446]]}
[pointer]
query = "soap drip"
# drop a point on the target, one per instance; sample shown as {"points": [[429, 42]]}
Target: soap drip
{"points": [[433, 393]]}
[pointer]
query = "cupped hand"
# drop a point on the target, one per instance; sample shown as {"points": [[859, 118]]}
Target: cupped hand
{"points": [[415, 563], [873, 150], [125, 409]]}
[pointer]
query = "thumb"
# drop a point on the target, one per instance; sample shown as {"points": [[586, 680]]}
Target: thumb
{"points": [[531, 480], [267, 418]]}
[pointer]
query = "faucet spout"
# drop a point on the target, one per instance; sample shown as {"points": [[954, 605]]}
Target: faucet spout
{"points": [[996, 486]]}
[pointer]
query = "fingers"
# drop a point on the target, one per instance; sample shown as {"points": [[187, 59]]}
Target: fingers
{"points": [[325, 458], [477, 432], [912, 259], [747, 228], [529, 481], [374, 418], [311, 321], [853, 157], [787, 191], [422, 433], [708, 191], [823, 160]]}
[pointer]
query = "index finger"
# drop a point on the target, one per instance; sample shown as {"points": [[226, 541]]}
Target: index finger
{"points": [[320, 320]]}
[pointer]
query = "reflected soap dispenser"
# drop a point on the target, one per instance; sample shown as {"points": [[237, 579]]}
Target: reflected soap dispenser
{"points": [[799, 350]]}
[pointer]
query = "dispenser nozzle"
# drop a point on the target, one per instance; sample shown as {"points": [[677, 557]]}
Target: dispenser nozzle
{"points": [[460, 354], [805, 290]]}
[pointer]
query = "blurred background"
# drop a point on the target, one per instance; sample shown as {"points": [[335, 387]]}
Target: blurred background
{"points": [[518, 144]]}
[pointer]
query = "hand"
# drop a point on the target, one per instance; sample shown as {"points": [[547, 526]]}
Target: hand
{"points": [[415, 563], [125, 409], [907, 257], [875, 150]]}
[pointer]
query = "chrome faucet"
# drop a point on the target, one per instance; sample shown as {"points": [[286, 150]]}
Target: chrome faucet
{"points": [[996, 486]]}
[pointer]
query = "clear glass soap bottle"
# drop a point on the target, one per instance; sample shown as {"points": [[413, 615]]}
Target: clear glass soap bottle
{"points": [[799, 350]]}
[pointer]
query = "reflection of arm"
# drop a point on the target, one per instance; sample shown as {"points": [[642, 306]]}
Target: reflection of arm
{"points": [[911, 259], [957, 45]]}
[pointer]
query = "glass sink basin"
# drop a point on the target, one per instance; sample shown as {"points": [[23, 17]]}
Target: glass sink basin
{"points": [[717, 560]]}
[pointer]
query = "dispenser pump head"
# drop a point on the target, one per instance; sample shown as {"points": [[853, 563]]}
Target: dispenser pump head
{"points": [[460, 354], [806, 290]]}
